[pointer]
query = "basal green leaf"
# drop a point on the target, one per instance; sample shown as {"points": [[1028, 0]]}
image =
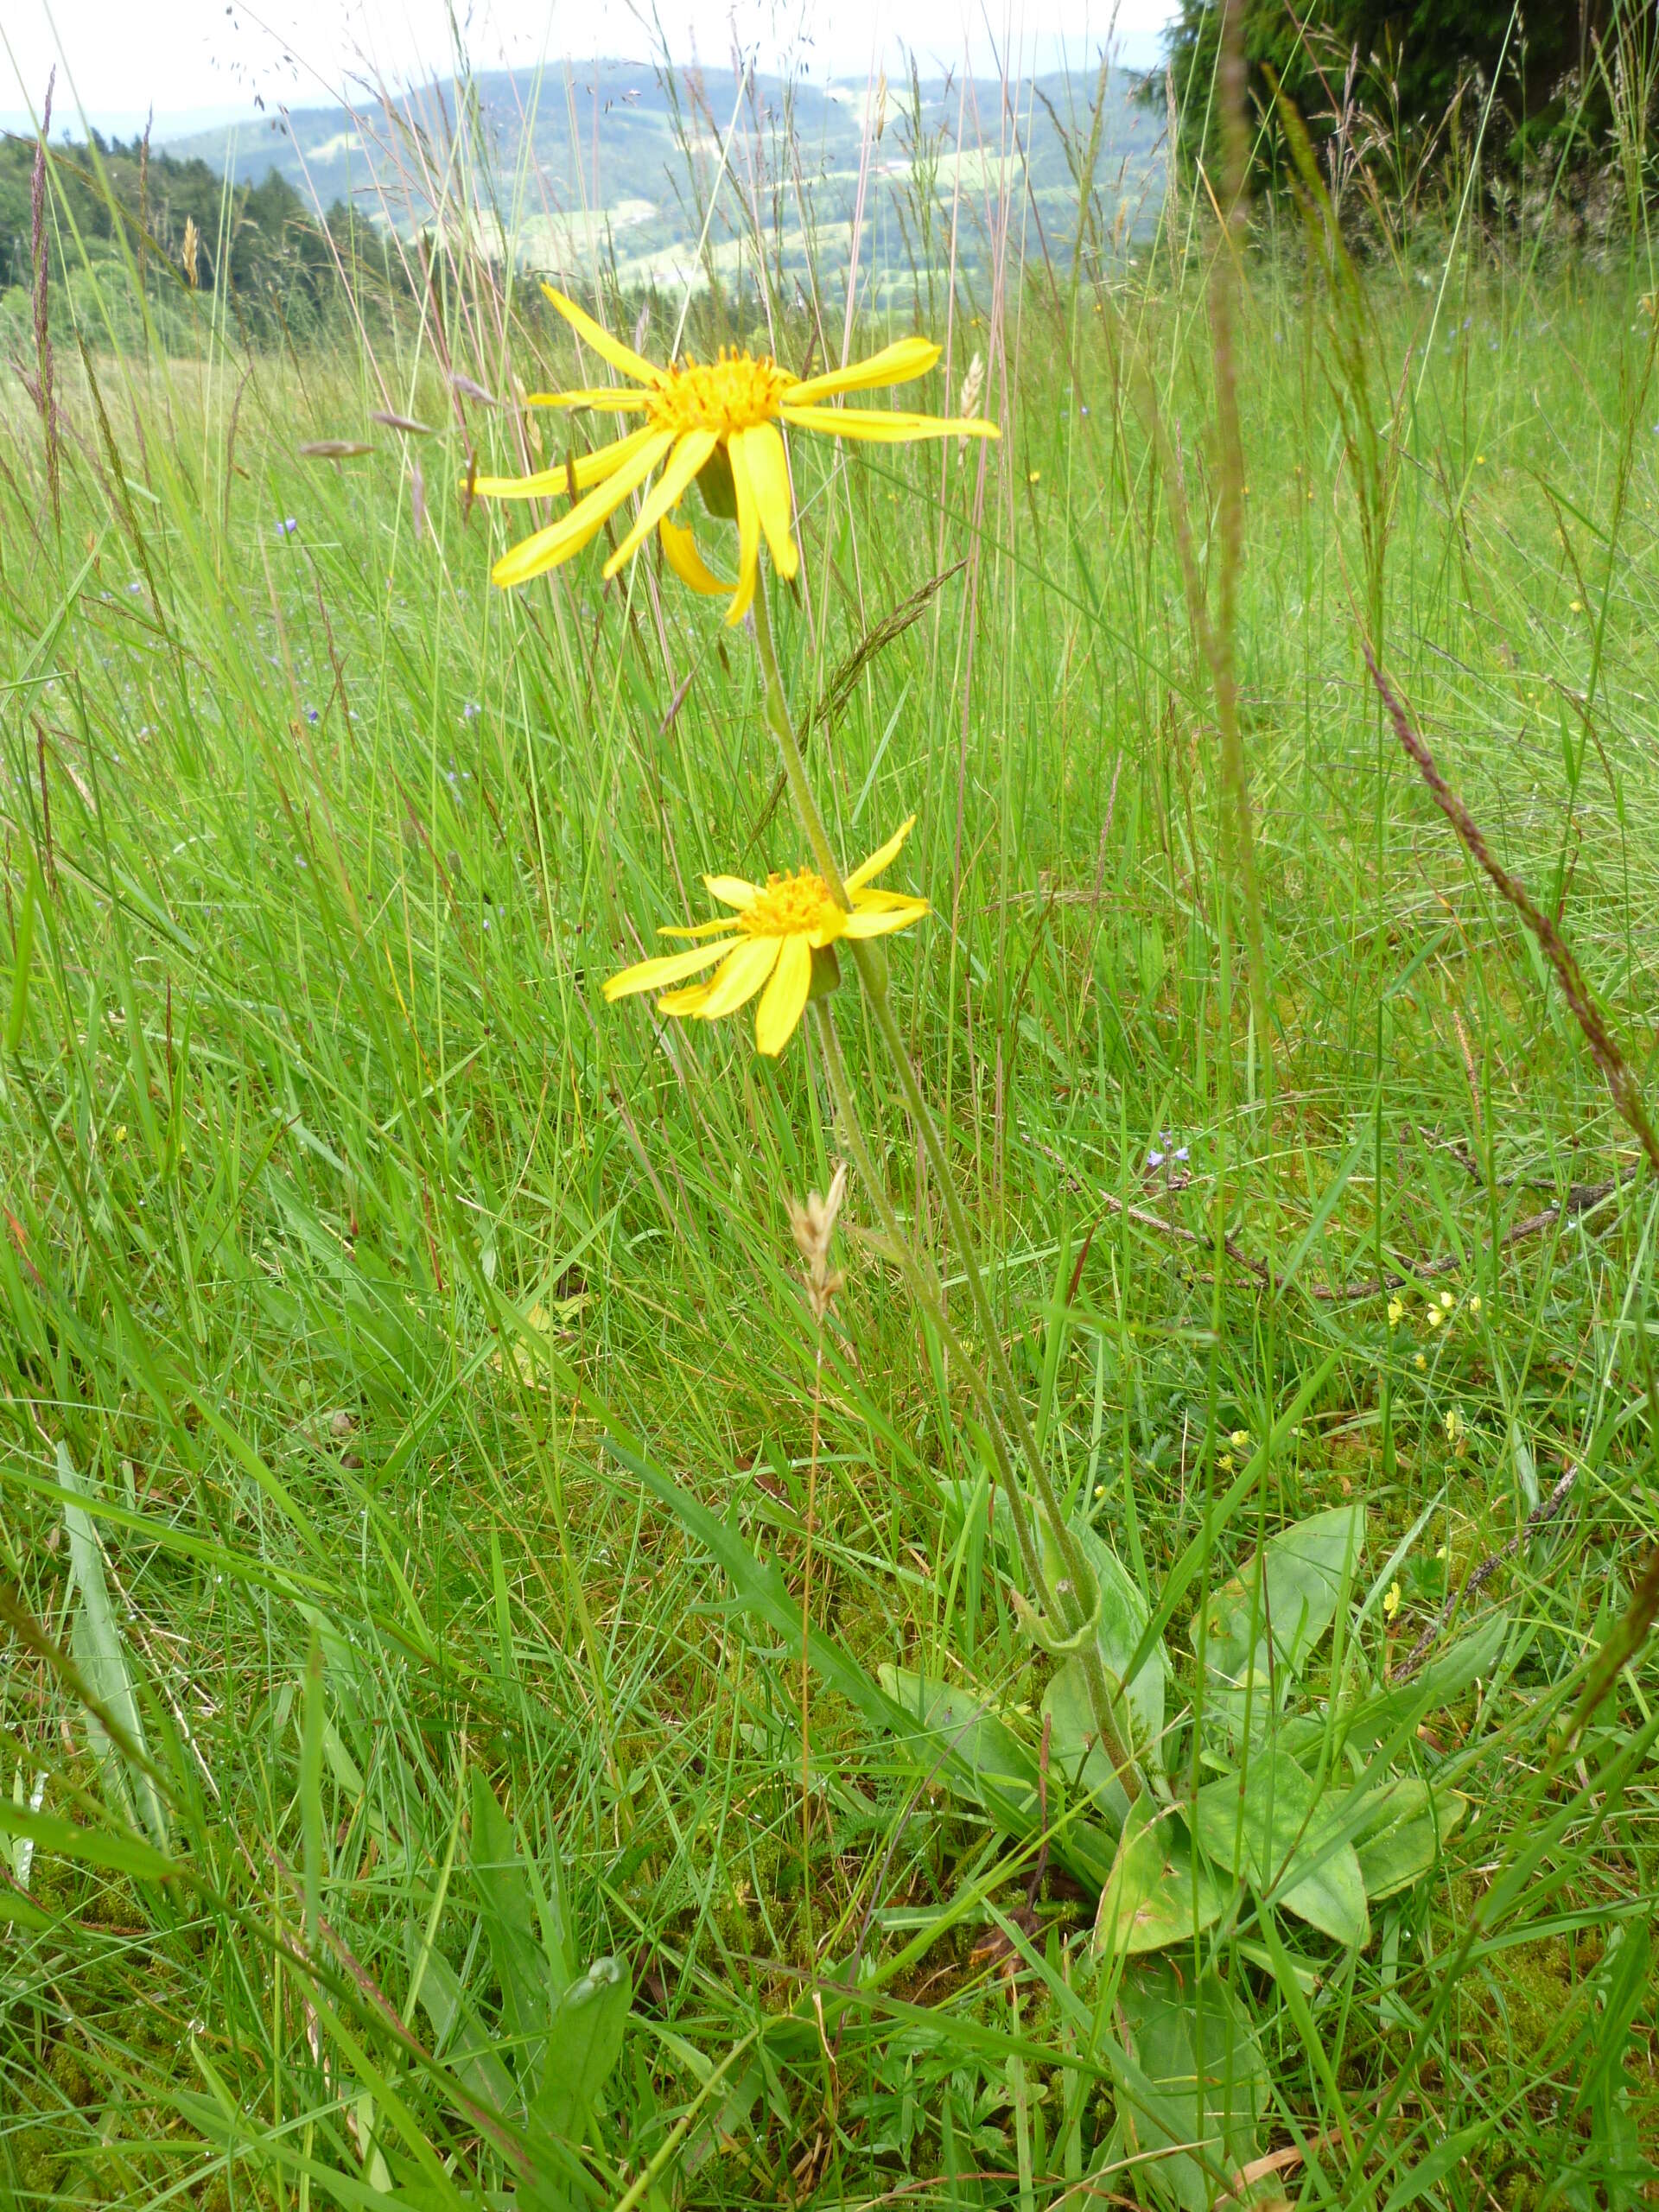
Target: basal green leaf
{"points": [[1124, 1615], [100, 1653], [985, 1756], [1073, 1751], [1272, 1827], [584, 2041], [1401, 1836], [506, 1906], [1159, 1891], [1203, 2088], [1289, 1591], [954, 1734]]}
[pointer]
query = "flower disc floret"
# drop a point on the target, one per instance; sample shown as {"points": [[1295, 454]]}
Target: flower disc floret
{"points": [[797, 904], [736, 392]]}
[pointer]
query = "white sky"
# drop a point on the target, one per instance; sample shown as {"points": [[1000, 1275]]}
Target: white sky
{"points": [[117, 58]]}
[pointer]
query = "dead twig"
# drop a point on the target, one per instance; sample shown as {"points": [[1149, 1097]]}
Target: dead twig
{"points": [[1582, 1198], [1546, 1509], [1181, 1235]]}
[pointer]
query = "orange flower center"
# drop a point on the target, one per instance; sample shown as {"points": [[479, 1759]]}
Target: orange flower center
{"points": [[734, 393], [790, 905]]}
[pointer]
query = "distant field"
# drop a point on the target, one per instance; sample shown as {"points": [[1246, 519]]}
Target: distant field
{"points": [[408, 1399]]}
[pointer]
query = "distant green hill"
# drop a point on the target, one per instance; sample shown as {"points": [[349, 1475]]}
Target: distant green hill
{"points": [[613, 163]]}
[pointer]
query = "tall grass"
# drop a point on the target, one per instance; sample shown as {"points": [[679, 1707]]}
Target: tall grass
{"points": [[356, 1255]]}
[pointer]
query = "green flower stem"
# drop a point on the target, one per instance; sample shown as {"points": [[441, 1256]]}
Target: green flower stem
{"points": [[1063, 1603]]}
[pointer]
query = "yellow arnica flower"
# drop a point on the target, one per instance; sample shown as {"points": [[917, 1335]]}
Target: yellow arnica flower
{"points": [[719, 416], [769, 940]]}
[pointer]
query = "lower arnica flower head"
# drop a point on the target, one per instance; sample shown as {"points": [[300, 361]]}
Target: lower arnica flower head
{"points": [[716, 423], [768, 943]]}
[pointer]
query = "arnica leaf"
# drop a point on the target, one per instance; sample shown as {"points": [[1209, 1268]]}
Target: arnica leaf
{"points": [[1288, 1840]]}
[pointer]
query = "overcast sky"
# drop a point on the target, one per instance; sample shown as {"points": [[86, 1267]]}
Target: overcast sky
{"points": [[117, 58]]}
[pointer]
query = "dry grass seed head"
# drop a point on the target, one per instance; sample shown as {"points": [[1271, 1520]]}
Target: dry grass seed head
{"points": [[812, 1226]]}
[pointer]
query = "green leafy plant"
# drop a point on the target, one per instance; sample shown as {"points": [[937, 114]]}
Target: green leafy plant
{"points": [[557, 2033]]}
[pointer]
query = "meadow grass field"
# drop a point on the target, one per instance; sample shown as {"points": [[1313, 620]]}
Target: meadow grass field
{"points": [[419, 1444]]}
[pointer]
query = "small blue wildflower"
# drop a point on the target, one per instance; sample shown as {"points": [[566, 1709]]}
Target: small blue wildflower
{"points": [[287, 527], [311, 715]]}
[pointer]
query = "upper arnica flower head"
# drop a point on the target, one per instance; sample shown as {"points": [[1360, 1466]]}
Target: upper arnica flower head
{"points": [[716, 421], [769, 941]]}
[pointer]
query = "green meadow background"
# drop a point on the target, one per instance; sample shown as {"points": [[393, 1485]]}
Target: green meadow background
{"points": [[347, 1231]]}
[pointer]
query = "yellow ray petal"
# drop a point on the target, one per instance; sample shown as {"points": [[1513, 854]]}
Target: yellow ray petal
{"points": [[666, 968], [608, 348], [767, 464], [880, 426], [726, 923], [687, 458], [881, 921], [865, 895], [572, 531], [680, 551], [590, 468], [687, 1004], [911, 357], [867, 870], [748, 535], [732, 891], [785, 1000], [740, 976], [876, 902], [603, 395]]}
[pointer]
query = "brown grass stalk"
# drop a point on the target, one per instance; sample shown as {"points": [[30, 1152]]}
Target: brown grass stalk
{"points": [[1616, 1070]]}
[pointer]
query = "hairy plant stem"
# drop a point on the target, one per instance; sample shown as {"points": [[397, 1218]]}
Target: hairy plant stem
{"points": [[1061, 1602]]}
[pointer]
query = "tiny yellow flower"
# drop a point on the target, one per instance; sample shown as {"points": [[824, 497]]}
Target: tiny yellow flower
{"points": [[1447, 1301], [1420, 1361], [1391, 1602], [1225, 1462], [1453, 1425], [1100, 1490], [1035, 477], [1474, 1304], [1432, 1317], [120, 1133], [1396, 1312], [1240, 1439], [1576, 606], [716, 423], [770, 939]]}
